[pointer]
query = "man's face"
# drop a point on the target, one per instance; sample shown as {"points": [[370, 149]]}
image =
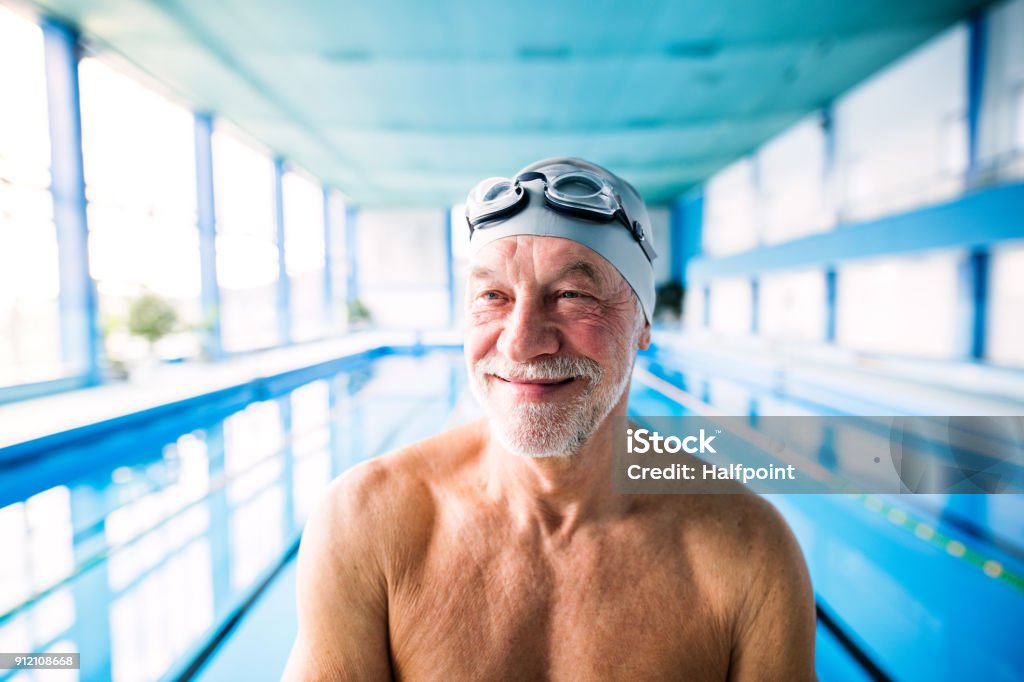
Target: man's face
{"points": [[552, 332]]}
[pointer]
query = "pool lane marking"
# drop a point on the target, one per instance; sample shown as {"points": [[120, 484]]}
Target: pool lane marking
{"points": [[993, 568]]}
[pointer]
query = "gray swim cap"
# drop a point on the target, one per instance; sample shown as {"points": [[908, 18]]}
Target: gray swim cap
{"points": [[611, 240]]}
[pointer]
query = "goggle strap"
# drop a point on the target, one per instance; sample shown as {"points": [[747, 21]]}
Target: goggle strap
{"points": [[637, 230], [532, 175]]}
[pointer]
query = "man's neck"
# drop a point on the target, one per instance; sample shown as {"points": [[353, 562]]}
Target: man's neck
{"points": [[557, 495]]}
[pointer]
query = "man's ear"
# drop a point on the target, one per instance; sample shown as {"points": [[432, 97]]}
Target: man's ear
{"points": [[645, 337]]}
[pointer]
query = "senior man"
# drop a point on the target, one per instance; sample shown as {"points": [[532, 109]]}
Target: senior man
{"points": [[497, 550]]}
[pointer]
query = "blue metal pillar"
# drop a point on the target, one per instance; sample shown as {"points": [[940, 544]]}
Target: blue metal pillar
{"points": [[686, 221], [973, 303], [81, 341], [328, 274], [351, 249], [830, 305], [452, 313], [284, 321], [207, 222], [826, 452], [977, 52]]}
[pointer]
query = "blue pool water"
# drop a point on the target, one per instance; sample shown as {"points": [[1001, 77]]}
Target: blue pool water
{"points": [[132, 547], [165, 548]]}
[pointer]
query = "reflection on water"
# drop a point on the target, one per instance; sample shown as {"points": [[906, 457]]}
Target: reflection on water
{"points": [[154, 621], [257, 535], [38, 533], [252, 441], [311, 407], [135, 562]]}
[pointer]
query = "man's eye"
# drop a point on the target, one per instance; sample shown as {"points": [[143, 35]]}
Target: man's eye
{"points": [[571, 294], [490, 296]]}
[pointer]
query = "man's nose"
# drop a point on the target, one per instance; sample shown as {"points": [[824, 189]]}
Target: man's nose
{"points": [[528, 332]]}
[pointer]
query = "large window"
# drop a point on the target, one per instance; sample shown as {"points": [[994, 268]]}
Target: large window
{"points": [[731, 305], [792, 305], [793, 190], [1001, 135], [403, 277], [304, 254], [30, 335], [1005, 305], [247, 265], [140, 183], [694, 308], [901, 305], [730, 210], [901, 137]]}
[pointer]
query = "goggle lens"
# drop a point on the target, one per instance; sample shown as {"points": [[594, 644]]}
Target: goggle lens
{"points": [[576, 186], [490, 198], [491, 189], [583, 191]]}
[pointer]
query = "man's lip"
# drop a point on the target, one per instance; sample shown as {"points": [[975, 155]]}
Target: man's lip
{"points": [[537, 382]]}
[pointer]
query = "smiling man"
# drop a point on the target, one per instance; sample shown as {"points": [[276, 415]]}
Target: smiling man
{"points": [[497, 550]]}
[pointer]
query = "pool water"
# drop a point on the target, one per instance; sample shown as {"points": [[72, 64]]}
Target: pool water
{"points": [[135, 559], [140, 546]]}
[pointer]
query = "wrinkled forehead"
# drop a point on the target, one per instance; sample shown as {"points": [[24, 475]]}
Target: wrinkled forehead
{"points": [[544, 258]]}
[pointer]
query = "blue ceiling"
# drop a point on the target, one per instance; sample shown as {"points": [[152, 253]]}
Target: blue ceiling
{"points": [[401, 103]]}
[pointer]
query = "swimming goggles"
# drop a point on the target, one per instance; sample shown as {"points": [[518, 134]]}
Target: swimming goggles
{"points": [[578, 192]]}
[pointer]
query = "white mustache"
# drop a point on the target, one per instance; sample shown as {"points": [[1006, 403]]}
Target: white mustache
{"points": [[544, 369]]}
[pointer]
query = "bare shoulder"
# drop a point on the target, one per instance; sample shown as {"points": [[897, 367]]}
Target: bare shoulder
{"points": [[766, 585], [749, 526], [368, 525], [386, 504], [748, 534]]}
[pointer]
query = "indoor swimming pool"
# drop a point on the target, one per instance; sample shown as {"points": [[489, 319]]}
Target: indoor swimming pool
{"points": [[163, 549], [243, 246]]}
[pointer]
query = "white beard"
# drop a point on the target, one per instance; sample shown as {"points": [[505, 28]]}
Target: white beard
{"points": [[556, 429]]}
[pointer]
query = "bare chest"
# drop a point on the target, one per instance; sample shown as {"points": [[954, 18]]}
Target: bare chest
{"points": [[492, 605]]}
